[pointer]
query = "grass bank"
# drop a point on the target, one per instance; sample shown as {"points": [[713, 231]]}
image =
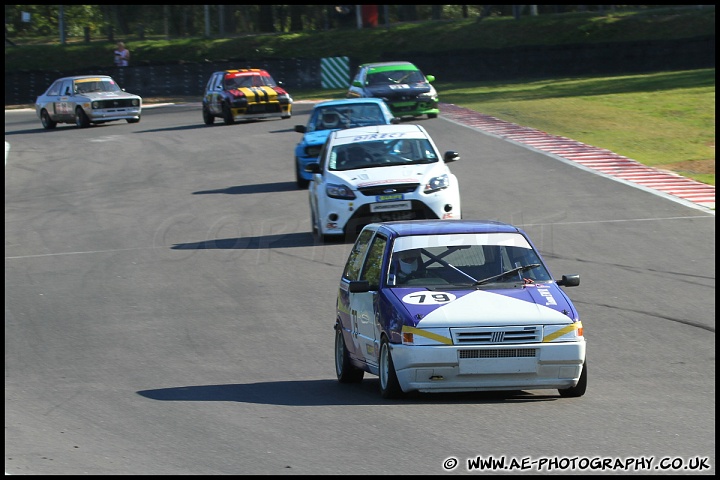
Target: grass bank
{"points": [[664, 120]]}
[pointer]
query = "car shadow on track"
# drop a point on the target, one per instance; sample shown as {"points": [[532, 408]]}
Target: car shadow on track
{"points": [[326, 392]]}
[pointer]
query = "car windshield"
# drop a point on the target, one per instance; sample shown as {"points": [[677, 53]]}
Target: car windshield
{"points": [[244, 80], [96, 85], [345, 116], [478, 260], [381, 153], [395, 77]]}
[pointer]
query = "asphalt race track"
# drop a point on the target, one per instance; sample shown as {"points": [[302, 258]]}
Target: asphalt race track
{"points": [[168, 312]]}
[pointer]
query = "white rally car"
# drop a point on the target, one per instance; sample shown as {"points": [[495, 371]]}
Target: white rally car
{"points": [[380, 173]]}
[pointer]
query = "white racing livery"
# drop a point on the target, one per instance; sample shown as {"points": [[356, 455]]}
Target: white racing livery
{"points": [[452, 306], [380, 173]]}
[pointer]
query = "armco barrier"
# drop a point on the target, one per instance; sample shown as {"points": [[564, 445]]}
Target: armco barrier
{"points": [[186, 79], [457, 66]]}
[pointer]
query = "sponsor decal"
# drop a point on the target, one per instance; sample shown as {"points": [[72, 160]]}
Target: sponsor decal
{"points": [[378, 136], [387, 198], [390, 206], [549, 299]]}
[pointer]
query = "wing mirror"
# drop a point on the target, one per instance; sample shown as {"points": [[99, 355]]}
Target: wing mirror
{"points": [[312, 168], [451, 156], [359, 286], [569, 280]]}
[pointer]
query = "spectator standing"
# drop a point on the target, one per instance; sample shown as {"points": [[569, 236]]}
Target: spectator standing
{"points": [[122, 55]]}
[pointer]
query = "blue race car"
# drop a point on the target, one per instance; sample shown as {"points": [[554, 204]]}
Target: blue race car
{"points": [[335, 115], [456, 306]]}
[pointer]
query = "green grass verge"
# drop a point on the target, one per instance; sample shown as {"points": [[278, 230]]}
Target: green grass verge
{"points": [[664, 120]]}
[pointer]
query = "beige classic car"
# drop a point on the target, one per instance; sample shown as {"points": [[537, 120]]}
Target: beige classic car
{"points": [[85, 100]]}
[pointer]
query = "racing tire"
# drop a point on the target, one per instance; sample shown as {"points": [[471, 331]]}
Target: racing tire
{"points": [[47, 122], [81, 119], [389, 384], [432, 115], [299, 180], [579, 389], [227, 114], [346, 371], [314, 227], [133, 120], [208, 118]]}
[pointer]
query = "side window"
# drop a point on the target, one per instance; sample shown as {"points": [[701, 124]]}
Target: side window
{"points": [[321, 157], [66, 88], [210, 83], [373, 262], [357, 256], [54, 89]]}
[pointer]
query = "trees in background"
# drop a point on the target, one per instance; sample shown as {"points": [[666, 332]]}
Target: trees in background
{"points": [[174, 21]]}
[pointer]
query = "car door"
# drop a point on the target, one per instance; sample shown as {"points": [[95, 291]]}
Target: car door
{"points": [[213, 93], [347, 302], [316, 189], [363, 305], [64, 103]]}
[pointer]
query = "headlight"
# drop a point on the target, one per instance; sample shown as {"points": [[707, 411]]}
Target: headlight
{"points": [[95, 105], [313, 151], [427, 97], [437, 183], [339, 191], [135, 102], [563, 333]]}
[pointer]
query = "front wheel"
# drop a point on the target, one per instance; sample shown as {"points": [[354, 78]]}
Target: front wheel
{"points": [[389, 385], [133, 120], [227, 114], [81, 119], [346, 372], [299, 180], [432, 115], [579, 389], [47, 122]]}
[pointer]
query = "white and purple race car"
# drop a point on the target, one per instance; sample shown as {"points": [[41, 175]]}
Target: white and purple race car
{"points": [[456, 306]]}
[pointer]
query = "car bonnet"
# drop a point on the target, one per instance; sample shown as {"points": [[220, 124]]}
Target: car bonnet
{"points": [[106, 95], [535, 304], [404, 89], [317, 137], [368, 177]]}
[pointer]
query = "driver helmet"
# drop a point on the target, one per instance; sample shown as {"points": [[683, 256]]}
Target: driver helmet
{"points": [[409, 261]]}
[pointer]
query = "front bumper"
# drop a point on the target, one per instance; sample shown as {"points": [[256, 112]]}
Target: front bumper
{"points": [[347, 217], [405, 108], [445, 369], [111, 114]]}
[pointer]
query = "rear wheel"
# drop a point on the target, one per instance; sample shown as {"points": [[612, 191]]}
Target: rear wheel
{"points": [[432, 115], [47, 122], [346, 372], [81, 120], [579, 389], [389, 385], [227, 114]]}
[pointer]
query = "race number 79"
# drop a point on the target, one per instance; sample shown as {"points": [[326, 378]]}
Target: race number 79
{"points": [[424, 298]]}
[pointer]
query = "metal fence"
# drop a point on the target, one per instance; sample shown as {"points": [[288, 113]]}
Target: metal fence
{"points": [[189, 79]]}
